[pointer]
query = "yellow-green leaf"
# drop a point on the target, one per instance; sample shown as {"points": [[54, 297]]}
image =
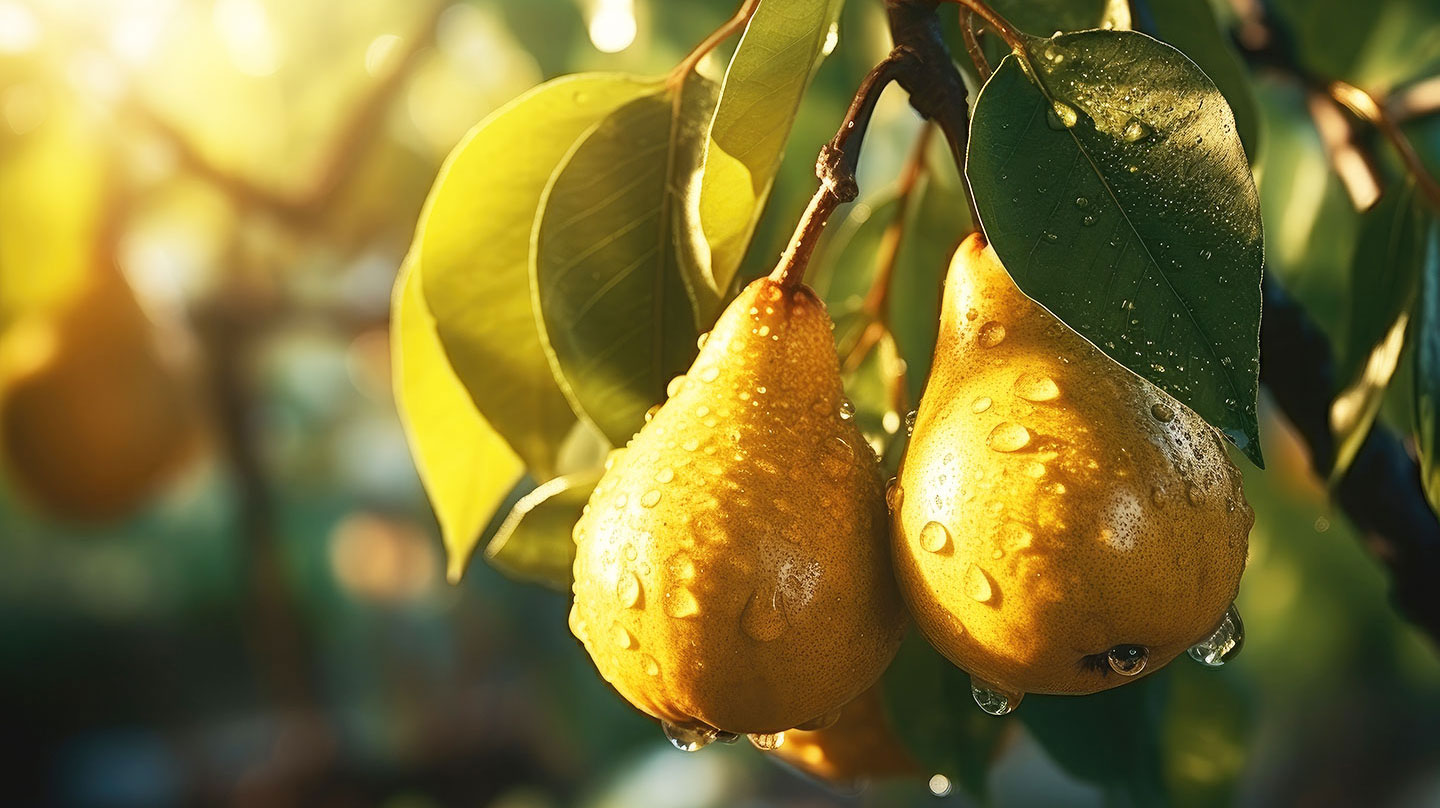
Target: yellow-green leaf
{"points": [[464, 464], [534, 544], [473, 241]]}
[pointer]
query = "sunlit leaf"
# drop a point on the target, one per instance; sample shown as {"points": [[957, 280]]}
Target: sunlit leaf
{"points": [[1119, 197], [1427, 367], [534, 543], [782, 46], [1045, 17], [936, 717], [874, 377], [1110, 738], [612, 249], [464, 464], [1383, 278], [1190, 26], [474, 250]]}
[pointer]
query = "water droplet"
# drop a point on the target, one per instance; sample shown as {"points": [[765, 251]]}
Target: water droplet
{"points": [[1035, 470], [1081, 202], [621, 501], [894, 495], [622, 636], [1061, 116], [971, 314], [650, 498], [1052, 237], [990, 334], [627, 590], [762, 331], [847, 409], [649, 665], [934, 537], [1053, 54], [980, 404], [690, 445], [910, 421], [1008, 436], [977, 584], [761, 618], [577, 624], [688, 739], [994, 699], [1223, 644], [664, 475], [767, 741], [650, 413], [1193, 494], [702, 339], [709, 374], [1088, 221], [1128, 660], [702, 411], [1158, 495], [1036, 387], [680, 603], [1135, 130], [1162, 413]]}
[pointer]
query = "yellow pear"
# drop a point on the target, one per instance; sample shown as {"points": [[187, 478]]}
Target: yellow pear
{"points": [[732, 569], [1060, 525], [860, 745]]}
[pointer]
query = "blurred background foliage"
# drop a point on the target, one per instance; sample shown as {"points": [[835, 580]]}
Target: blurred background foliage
{"points": [[220, 582]]}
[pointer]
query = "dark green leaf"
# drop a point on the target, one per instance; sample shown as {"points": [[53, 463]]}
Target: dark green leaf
{"points": [[534, 543], [1111, 738], [1427, 367], [1190, 26], [613, 246], [1118, 196], [1384, 274], [473, 249], [783, 45], [936, 717]]}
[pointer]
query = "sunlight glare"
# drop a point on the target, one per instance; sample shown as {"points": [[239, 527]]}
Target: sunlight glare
{"points": [[19, 31], [612, 25], [245, 29]]}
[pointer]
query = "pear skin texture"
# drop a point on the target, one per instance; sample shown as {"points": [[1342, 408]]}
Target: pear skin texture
{"points": [[861, 745], [1053, 505], [98, 422], [732, 567]]}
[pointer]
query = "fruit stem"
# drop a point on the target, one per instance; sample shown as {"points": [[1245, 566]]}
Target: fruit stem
{"points": [[972, 44], [733, 25], [1012, 35], [877, 299]]}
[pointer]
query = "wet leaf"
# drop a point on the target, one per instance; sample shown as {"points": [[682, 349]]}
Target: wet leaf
{"points": [[1384, 275], [779, 53], [936, 717], [1111, 738], [1427, 367], [1118, 196], [535, 542], [464, 464], [474, 252], [1190, 26], [612, 249]]}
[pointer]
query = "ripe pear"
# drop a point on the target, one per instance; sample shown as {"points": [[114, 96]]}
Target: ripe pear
{"points": [[92, 418], [732, 569], [860, 745], [1060, 525]]}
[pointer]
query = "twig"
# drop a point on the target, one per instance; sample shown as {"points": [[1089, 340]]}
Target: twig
{"points": [[732, 26], [972, 44], [877, 299]]}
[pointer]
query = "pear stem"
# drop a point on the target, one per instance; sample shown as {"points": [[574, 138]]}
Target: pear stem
{"points": [[736, 23], [972, 44]]}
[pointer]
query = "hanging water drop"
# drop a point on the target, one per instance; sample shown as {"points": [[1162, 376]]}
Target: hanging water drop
{"points": [[934, 537], [994, 699], [767, 741], [990, 334], [1008, 436], [1128, 660], [1223, 644], [847, 409], [688, 739], [977, 584]]}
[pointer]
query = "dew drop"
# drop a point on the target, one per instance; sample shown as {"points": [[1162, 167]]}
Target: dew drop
{"points": [[650, 413], [1081, 202], [1135, 130], [767, 741], [627, 590], [1036, 387], [1088, 221], [847, 409], [690, 445], [649, 665], [934, 537], [688, 739], [622, 636], [664, 475], [621, 501], [990, 334], [680, 603], [1128, 660], [1061, 116], [1193, 494], [910, 421], [971, 314], [894, 495], [977, 585], [1008, 436], [702, 339], [761, 619], [577, 624], [675, 386], [980, 404], [1162, 413], [994, 699], [1158, 495], [1035, 470], [709, 374], [1223, 644]]}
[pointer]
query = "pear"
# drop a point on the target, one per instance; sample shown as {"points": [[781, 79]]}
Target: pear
{"points": [[1060, 524], [860, 745], [732, 570]]}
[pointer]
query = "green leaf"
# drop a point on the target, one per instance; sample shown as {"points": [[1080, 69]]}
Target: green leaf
{"points": [[1384, 274], [473, 245], [535, 542], [1111, 738], [1190, 26], [1117, 195], [612, 249], [1206, 736], [1427, 367], [783, 44], [873, 374], [936, 717], [464, 464], [1045, 17]]}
